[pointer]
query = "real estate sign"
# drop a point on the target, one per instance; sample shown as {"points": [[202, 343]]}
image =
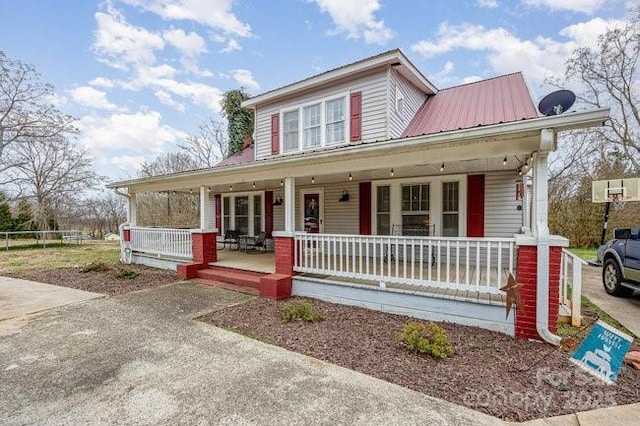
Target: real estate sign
{"points": [[602, 352]]}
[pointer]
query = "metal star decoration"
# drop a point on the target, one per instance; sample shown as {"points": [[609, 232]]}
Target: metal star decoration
{"points": [[513, 294]]}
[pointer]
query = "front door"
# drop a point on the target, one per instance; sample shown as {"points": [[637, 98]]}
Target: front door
{"points": [[312, 215]]}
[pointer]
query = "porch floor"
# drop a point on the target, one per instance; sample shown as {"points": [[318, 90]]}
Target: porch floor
{"points": [[257, 261]]}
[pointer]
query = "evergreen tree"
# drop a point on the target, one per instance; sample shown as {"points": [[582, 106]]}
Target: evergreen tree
{"points": [[23, 220], [6, 219]]}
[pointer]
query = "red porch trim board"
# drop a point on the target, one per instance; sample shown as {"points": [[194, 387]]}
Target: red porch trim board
{"points": [[475, 205], [365, 208], [527, 276]]}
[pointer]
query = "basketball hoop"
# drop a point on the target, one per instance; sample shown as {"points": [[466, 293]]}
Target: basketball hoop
{"points": [[618, 201]]}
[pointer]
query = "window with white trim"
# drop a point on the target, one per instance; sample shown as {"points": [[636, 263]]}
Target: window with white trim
{"points": [[314, 125], [415, 208], [243, 212], [383, 210], [335, 118], [450, 209], [290, 137]]}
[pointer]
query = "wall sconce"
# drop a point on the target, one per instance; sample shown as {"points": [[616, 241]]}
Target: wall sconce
{"points": [[277, 201], [345, 196]]}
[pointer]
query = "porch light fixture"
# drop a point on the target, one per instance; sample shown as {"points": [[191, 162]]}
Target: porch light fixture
{"points": [[442, 167], [313, 179], [391, 173], [191, 191], [230, 188], [281, 182], [254, 185], [277, 201], [345, 196], [350, 177], [208, 189], [173, 192], [504, 162]]}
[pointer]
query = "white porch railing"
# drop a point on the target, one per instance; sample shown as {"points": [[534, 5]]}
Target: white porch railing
{"points": [[471, 264], [168, 242], [571, 284]]}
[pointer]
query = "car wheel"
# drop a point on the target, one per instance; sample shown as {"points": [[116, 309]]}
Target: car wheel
{"points": [[612, 279]]}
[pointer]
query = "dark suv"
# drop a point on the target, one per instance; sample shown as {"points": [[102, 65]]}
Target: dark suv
{"points": [[620, 259]]}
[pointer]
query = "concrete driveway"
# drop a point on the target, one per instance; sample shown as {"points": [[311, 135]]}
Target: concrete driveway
{"points": [[140, 358], [626, 310]]}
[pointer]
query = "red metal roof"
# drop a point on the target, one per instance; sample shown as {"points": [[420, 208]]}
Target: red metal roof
{"points": [[496, 100], [242, 157]]}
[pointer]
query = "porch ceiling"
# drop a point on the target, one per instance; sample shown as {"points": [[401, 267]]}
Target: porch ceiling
{"points": [[464, 151]]}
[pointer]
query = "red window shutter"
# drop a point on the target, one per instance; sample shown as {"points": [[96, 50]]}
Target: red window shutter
{"points": [[268, 213], [218, 203], [365, 208], [475, 206], [275, 134], [355, 122]]}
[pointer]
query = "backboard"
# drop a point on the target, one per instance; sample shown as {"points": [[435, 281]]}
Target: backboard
{"points": [[616, 190]]}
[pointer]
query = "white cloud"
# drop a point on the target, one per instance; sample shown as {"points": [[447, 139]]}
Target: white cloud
{"points": [[102, 82], [539, 58], [356, 18], [217, 14], [232, 46], [471, 79], [188, 44], [489, 4], [166, 99], [128, 163], [91, 98], [119, 44], [57, 100], [245, 79], [584, 6], [199, 93], [137, 133]]}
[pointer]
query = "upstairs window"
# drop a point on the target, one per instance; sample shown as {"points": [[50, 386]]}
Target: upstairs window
{"points": [[290, 130], [312, 126], [335, 117], [315, 125]]}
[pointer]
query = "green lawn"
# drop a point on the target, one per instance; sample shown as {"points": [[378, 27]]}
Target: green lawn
{"points": [[585, 253], [16, 261]]}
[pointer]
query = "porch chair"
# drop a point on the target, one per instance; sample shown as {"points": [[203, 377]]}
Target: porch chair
{"points": [[259, 242], [231, 237]]}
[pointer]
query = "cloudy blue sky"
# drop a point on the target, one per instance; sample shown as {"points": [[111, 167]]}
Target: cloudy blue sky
{"points": [[142, 74]]}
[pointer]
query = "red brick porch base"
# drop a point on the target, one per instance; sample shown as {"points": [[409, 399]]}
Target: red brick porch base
{"points": [[527, 276], [126, 234], [189, 271], [204, 246], [284, 255], [275, 286]]}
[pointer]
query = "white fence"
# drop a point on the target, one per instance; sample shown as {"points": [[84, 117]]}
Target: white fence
{"points": [[472, 264], [167, 242], [571, 284]]}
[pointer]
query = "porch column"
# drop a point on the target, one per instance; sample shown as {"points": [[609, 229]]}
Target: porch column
{"points": [[278, 285], [539, 258], [207, 211], [131, 210], [289, 205]]}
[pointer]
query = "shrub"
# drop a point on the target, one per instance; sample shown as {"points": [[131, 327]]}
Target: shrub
{"points": [[95, 266], [428, 338], [300, 311], [128, 274]]}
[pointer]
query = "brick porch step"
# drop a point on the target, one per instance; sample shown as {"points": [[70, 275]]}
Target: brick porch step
{"points": [[227, 286], [236, 277]]}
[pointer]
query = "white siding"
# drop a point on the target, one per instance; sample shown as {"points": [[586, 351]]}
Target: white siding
{"points": [[413, 100], [374, 109], [501, 215]]}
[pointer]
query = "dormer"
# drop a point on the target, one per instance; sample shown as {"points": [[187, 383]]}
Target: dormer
{"points": [[370, 100]]}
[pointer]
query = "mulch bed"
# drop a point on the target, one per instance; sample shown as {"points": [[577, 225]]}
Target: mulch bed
{"points": [[110, 281], [490, 372]]}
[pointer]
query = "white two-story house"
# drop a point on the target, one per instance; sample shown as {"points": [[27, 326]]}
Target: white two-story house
{"points": [[368, 185]]}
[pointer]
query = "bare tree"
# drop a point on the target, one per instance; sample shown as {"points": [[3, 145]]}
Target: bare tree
{"points": [[26, 112], [50, 172], [209, 145], [170, 162], [608, 76]]}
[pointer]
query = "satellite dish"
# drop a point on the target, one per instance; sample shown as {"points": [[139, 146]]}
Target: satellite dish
{"points": [[555, 103]]}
